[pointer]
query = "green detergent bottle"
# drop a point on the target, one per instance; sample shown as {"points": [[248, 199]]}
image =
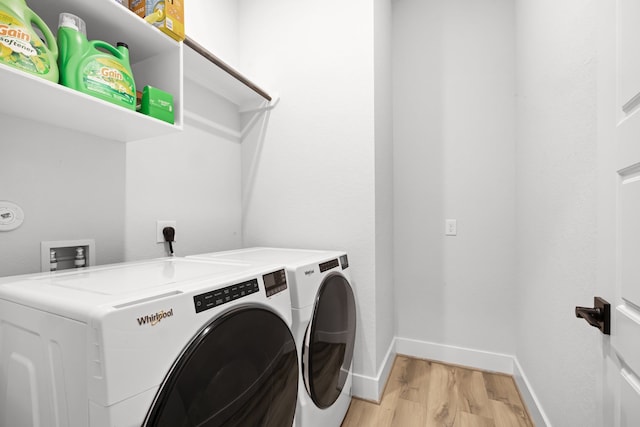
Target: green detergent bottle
{"points": [[20, 45], [94, 67]]}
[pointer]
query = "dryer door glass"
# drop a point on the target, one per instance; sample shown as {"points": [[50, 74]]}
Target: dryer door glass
{"points": [[239, 370], [328, 349]]}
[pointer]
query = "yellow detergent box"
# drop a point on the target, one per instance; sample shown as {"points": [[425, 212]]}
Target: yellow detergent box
{"points": [[168, 16], [137, 7]]}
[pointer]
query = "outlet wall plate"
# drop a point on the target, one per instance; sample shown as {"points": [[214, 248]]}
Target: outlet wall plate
{"points": [[160, 225]]}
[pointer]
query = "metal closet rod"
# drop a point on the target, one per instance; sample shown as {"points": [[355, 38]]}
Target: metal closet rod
{"points": [[226, 67]]}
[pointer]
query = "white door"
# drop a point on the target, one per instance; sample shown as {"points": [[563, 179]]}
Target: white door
{"points": [[619, 206]]}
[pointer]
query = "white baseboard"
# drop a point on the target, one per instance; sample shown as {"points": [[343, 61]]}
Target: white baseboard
{"points": [[371, 388], [538, 416], [495, 362]]}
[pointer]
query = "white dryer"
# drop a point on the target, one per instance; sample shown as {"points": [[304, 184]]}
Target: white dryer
{"points": [[324, 325], [167, 342]]}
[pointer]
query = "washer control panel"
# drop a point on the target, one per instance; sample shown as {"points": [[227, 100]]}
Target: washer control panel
{"points": [[221, 296]]}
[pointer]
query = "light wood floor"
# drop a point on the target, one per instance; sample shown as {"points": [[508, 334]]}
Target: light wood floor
{"points": [[429, 394]]}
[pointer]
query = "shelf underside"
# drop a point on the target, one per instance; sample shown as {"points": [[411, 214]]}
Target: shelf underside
{"points": [[36, 99]]}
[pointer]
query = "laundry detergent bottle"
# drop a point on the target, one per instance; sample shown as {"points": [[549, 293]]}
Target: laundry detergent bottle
{"points": [[94, 67], [21, 46]]}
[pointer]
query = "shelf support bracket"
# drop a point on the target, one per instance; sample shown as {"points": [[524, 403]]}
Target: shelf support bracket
{"points": [[257, 112]]}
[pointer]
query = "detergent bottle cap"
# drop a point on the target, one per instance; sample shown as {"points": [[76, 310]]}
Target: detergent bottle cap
{"points": [[69, 20]]}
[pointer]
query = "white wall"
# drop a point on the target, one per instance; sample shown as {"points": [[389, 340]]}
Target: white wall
{"points": [[192, 178], [70, 186], [74, 186], [454, 152], [214, 25], [557, 241], [311, 176], [385, 306]]}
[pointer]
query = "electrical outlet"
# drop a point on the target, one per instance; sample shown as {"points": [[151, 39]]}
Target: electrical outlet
{"points": [[451, 227], [160, 225]]}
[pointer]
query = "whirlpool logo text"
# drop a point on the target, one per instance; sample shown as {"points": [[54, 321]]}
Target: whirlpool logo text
{"points": [[156, 318]]}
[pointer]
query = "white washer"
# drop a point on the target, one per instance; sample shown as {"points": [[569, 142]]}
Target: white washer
{"points": [[167, 342], [324, 325]]}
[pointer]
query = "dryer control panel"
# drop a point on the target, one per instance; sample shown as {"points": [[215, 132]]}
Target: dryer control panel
{"points": [[275, 282], [221, 296], [328, 265]]}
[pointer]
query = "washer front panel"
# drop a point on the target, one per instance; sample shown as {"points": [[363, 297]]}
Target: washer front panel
{"points": [[240, 370]]}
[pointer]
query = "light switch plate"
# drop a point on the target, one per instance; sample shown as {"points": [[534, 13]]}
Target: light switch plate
{"points": [[451, 227]]}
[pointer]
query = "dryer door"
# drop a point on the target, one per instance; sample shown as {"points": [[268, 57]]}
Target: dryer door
{"points": [[239, 370], [329, 341]]}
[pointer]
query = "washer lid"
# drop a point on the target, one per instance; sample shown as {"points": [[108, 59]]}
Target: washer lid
{"points": [[77, 293], [131, 278], [329, 341]]}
